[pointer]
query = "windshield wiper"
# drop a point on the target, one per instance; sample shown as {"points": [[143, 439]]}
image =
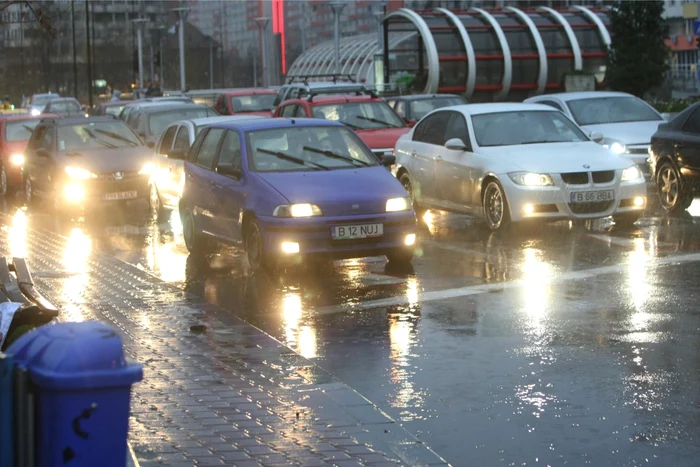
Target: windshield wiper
{"points": [[93, 136], [375, 120], [28, 128], [116, 136], [334, 155], [287, 157], [354, 127]]}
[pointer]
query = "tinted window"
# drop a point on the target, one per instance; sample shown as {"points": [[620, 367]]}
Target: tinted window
{"points": [[692, 124], [96, 135], [524, 127], [131, 118], [37, 136], [158, 122], [423, 107], [19, 130], [167, 140], [252, 103], [611, 110], [182, 141], [431, 129], [552, 104], [47, 140], [359, 115], [207, 150], [230, 152], [114, 110], [456, 128], [401, 109]]}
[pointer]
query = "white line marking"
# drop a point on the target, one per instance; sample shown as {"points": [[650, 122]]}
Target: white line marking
{"points": [[484, 288]]}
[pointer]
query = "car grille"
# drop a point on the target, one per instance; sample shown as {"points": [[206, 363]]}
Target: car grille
{"points": [[590, 208], [603, 176], [109, 176], [575, 178], [638, 150], [99, 187]]}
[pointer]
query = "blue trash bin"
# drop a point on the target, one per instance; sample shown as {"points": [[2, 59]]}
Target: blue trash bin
{"points": [[82, 387]]}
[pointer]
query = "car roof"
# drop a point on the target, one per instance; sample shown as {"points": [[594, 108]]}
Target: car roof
{"points": [[477, 109], [326, 84], [74, 120], [571, 96], [173, 106], [27, 116], [341, 99], [148, 105], [63, 99], [249, 91], [45, 94], [211, 120], [417, 97], [272, 123]]}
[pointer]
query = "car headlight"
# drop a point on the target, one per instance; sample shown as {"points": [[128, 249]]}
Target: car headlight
{"points": [[79, 173], [17, 159], [35, 112], [397, 204], [631, 173], [616, 147], [297, 210], [148, 169], [531, 179]]}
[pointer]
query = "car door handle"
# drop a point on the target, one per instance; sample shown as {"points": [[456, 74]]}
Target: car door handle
{"points": [[413, 153]]}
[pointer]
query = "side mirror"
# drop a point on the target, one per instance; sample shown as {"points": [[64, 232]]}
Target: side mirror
{"points": [[176, 154], [596, 137], [388, 160], [229, 170], [456, 144]]}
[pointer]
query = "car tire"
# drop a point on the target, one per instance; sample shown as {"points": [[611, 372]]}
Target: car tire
{"points": [[400, 256], [405, 180], [3, 181], [195, 242], [29, 197], [627, 220], [258, 258], [495, 206], [154, 202], [674, 197]]}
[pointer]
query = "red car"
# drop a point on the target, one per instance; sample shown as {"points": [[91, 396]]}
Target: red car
{"points": [[254, 101], [15, 131], [370, 117]]}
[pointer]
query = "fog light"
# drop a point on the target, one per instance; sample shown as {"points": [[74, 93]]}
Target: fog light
{"points": [[410, 239], [639, 201], [528, 209], [290, 247], [74, 192]]}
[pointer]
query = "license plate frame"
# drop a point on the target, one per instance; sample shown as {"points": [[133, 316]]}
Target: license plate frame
{"points": [[121, 195], [357, 231], [593, 196]]}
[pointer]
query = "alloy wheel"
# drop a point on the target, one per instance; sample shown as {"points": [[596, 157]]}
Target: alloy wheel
{"points": [[494, 205], [669, 186], [188, 229], [253, 246]]}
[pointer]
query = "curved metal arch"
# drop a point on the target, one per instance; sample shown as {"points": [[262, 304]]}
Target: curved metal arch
{"points": [[507, 60], [354, 55], [578, 59], [431, 85], [363, 56], [348, 51], [471, 56], [602, 30], [364, 66], [300, 62], [539, 43], [313, 55], [330, 67], [327, 56]]}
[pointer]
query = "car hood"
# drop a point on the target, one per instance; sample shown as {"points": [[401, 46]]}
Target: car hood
{"points": [[325, 187], [555, 157], [629, 133], [109, 160], [382, 138]]}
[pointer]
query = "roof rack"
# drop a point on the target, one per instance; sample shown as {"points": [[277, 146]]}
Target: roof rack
{"points": [[362, 91], [335, 77]]}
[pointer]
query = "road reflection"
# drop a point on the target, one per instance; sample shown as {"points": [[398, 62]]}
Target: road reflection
{"points": [[17, 234], [76, 263]]}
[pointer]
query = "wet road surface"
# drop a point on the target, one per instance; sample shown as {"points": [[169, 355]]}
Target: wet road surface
{"points": [[551, 345]]}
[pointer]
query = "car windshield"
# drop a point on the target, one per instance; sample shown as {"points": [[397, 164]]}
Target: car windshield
{"points": [[306, 148], [422, 107], [20, 130], [253, 103], [611, 110], [158, 122], [359, 115], [114, 110], [524, 127], [42, 100], [96, 135]]}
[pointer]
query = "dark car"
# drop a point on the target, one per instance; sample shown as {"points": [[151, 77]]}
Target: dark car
{"points": [[76, 161], [674, 160], [64, 107], [149, 121], [416, 106], [109, 108]]}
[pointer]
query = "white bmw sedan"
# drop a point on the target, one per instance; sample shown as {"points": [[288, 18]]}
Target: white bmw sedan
{"points": [[513, 162]]}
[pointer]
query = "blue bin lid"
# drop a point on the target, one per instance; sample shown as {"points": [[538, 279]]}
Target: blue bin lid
{"points": [[75, 356]]}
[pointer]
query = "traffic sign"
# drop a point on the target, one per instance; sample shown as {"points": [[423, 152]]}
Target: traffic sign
{"points": [[696, 27]]}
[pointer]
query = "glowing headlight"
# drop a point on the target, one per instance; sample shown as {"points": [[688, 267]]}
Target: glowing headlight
{"points": [[617, 148], [148, 169], [297, 210], [35, 112], [531, 179], [74, 192], [17, 159], [79, 173], [397, 204], [631, 174]]}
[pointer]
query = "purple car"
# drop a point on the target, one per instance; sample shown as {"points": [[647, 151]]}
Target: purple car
{"points": [[292, 188]]}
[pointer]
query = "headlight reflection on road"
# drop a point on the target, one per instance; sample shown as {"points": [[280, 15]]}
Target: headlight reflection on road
{"points": [[412, 291], [536, 277], [401, 339], [17, 235], [302, 339], [75, 262], [638, 286], [167, 259]]}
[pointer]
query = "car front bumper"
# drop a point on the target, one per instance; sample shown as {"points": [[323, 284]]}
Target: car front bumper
{"points": [[314, 235], [103, 190]]}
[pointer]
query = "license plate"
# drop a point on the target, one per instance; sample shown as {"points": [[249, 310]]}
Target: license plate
{"points": [[121, 195], [592, 196], [346, 232]]}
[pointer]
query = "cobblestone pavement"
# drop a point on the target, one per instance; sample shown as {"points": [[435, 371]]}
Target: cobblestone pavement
{"points": [[216, 390]]}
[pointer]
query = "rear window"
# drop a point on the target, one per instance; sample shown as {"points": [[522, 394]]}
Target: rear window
{"points": [[253, 103], [20, 130], [158, 122]]}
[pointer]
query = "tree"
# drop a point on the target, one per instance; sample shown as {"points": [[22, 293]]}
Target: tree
{"points": [[637, 58]]}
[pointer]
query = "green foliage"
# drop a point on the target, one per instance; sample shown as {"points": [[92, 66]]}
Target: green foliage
{"points": [[637, 56], [672, 106]]}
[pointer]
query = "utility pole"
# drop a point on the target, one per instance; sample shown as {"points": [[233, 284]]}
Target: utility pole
{"points": [[139, 44], [75, 58], [89, 52], [182, 12], [262, 29], [211, 62], [337, 7]]}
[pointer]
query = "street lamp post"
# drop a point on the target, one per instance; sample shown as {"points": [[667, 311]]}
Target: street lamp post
{"points": [[337, 7], [139, 39], [262, 28], [182, 12], [211, 62]]}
